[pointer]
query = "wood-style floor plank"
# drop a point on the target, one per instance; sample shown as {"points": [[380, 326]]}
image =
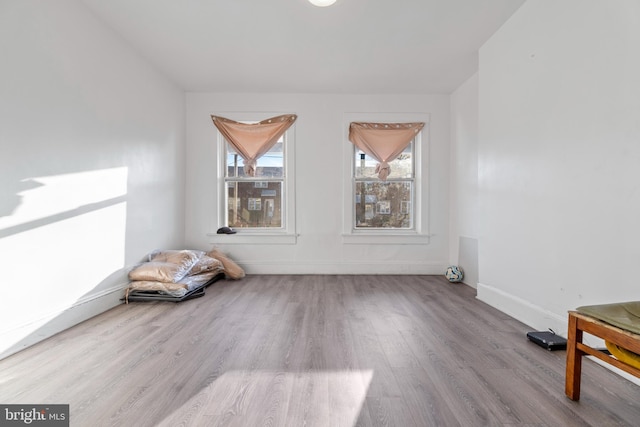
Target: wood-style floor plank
{"points": [[311, 350]]}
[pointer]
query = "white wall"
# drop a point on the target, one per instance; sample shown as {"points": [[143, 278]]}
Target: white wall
{"points": [[463, 210], [559, 159], [91, 167], [319, 138]]}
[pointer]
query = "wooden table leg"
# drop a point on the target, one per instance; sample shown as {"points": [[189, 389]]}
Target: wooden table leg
{"points": [[574, 360]]}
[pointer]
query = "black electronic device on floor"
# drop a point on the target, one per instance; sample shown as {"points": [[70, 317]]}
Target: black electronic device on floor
{"points": [[548, 340]]}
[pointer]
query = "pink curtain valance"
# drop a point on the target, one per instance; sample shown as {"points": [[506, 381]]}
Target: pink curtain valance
{"points": [[253, 140], [383, 141]]}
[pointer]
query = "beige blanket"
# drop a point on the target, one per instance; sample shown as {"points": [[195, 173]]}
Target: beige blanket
{"points": [[176, 272]]}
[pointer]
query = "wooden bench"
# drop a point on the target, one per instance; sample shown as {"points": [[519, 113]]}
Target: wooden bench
{"points": [[580, 323]]}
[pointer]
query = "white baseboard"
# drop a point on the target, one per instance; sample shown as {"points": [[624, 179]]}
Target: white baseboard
{"points": [[536, 317], [45, 325], [391, 267]]}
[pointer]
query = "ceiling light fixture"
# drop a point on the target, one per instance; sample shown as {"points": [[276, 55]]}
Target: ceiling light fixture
{"points": [[322, 3]]}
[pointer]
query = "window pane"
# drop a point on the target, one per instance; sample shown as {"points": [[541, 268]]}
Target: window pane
{"points": [[386, 204], [402, 167], [270, 165], [256, 206]]}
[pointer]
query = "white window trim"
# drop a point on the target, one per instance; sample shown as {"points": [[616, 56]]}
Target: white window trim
{"points": [[419, 235], [283, 236]]}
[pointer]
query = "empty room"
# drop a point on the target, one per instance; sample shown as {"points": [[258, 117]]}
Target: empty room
{"points": [[319, 213]]}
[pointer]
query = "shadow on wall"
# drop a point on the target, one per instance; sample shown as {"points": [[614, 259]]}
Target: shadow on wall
{"points": [[11, 196], [65, 237]]}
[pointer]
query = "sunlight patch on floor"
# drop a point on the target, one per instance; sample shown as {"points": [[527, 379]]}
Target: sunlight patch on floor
{"points": [[245, 398]]}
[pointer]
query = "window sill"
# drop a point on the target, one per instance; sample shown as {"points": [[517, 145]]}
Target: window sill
{"points": [[248, 238], [383, 238]]}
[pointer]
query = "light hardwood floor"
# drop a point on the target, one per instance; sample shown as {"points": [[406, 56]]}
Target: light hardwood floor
{"points": [[312, 351]]}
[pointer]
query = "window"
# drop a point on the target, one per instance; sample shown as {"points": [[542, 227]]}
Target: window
{"points": [[384, 187], [256, 182], [254, 204], [390, 199], [255, 201]]}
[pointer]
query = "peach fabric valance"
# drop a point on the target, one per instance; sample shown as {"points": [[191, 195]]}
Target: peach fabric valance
{"points": [[253, 140], [383, 141]]}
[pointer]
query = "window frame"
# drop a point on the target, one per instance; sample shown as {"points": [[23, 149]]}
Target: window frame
{"points": [[419, 233], [286, 234]]}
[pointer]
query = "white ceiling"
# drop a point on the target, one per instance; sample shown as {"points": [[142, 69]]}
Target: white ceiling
{"points": [[354, 46]]}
